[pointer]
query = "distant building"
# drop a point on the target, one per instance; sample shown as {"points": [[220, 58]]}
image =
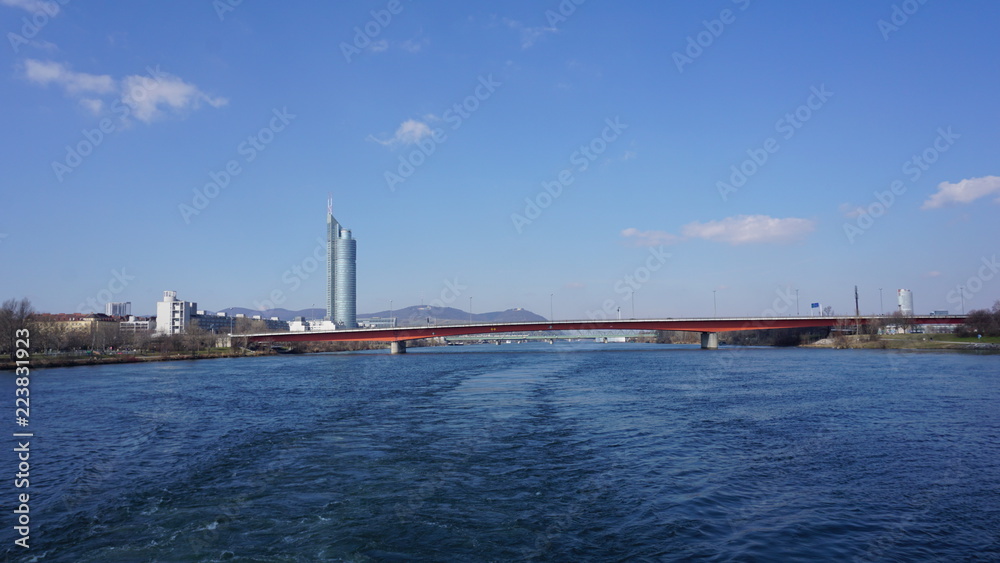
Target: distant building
{"points": [[377, 322], [133, 325], [219, 323], [173, 316], [100, 327], [300, 324], [905, 301], [118, 309], [341, 273]]}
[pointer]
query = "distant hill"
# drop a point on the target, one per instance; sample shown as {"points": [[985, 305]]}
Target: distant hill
{"points": [[419, 315], [407, 316], [283, 314]]}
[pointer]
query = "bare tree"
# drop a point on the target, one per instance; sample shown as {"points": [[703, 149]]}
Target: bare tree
{"points": [[905, 322], [15, 315]]}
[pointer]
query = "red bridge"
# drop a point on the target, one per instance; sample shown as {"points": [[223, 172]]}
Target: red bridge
{"points": [[709, 328]]}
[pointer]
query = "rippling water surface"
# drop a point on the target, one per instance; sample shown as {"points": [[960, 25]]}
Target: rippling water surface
{"points": [[547, 452]]}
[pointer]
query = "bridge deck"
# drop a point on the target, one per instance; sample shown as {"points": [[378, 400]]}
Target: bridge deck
{"points": [[691, 325]]}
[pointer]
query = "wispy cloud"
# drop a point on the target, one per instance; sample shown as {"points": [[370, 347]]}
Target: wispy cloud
{"points": [[529, 35], [751, 229], [965, 191], [742, 229], [933, 274], [48, 72], [167, 94], [409, 132], [150, 97], [33, 6]]}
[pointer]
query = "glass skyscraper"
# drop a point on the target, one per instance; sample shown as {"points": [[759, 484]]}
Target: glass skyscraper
{"points": [[341, 273]]}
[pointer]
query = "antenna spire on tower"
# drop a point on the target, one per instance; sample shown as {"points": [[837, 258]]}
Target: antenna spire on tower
{"points": [[329, 204]]}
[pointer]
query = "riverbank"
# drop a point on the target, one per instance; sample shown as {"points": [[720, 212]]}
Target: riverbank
{"points": [[61, 361], [909, 342]]}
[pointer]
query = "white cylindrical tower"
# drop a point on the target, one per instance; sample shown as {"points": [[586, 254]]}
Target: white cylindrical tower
{"points": [[346, 296], [905, 299]]}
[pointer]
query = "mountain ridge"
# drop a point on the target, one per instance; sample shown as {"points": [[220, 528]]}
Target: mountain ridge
{"points": [[406, 316]]}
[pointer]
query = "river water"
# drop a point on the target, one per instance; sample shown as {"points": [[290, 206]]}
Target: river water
{"points": [[613, 452]]}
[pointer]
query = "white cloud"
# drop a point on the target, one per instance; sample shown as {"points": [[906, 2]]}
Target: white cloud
{"points": [[149, 97], [379, 46], [933, 274], [48, 72], [742, 229], [33, 6], [529, 35], [412, 46], [93, 105], [649, 238], [409, 132], [965, 191], [750, 229]]}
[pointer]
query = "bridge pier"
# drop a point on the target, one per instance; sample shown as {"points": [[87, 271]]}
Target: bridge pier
{"points": [[710, 341], [397, 347]]}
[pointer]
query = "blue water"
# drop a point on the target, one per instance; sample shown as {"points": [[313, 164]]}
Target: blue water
{"points": [[518, 452]]}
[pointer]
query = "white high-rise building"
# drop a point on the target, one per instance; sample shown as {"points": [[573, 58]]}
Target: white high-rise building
{"points": [[118, 309], [173, 316], [905, 299], [341, 273]]}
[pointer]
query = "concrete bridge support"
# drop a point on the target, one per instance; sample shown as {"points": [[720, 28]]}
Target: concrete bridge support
{"points": [[398, 347], [710, 341]]}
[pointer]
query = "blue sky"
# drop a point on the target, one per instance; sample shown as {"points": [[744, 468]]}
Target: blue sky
{"points": [[586, 154]]}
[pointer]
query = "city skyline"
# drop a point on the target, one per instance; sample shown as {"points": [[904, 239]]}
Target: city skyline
{"points": [[577, 157]]}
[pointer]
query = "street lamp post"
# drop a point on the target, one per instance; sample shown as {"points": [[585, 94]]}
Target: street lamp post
{"points": [[633, 304], [552, 316], [961, 293], [881, 306], [470, 309], [796, 302], [390, 310], [715, 305]]}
